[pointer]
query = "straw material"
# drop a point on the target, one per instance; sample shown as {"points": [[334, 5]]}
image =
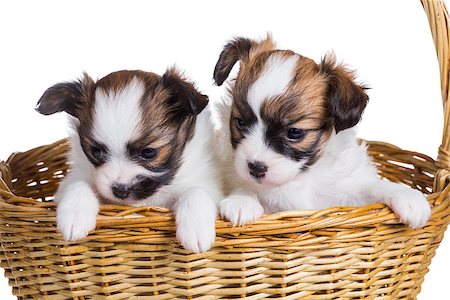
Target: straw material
{"points": [[337, 253]]}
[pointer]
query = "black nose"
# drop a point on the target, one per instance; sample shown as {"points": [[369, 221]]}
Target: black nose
{"points": [[257, 169], [121, 191]]}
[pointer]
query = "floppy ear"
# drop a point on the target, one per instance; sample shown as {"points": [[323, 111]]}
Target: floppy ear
{"points": [[183, 93], [237, 49], [348, 99], [65, 96]]}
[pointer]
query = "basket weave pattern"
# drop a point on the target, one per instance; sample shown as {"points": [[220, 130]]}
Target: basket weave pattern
{"points": [[337, 253]]}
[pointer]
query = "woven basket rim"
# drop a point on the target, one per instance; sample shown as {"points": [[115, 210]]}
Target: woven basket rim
{"points": [[111, 216]]}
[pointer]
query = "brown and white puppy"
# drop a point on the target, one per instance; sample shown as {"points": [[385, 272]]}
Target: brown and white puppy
{"points": [[288, 141], [138, 139]]}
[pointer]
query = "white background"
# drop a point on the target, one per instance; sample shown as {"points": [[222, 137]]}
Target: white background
{"points": [[388, 42]]}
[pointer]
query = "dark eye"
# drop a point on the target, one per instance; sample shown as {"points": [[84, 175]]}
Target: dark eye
{"points": [[240, 124], [295, 134], [149, 153], [98, 153]]}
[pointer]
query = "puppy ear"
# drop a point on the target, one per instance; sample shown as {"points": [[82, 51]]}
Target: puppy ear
{"points": [[348, 99], [183, 93], [65, 96], [237, 49]]}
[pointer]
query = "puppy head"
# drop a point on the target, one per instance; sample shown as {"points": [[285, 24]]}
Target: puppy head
{"points": [[132, 127], [284, 108]]}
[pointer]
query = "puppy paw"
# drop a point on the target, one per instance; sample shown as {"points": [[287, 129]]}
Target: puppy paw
{"points": [[196, 236], [411, 207], [196, 221], [240, 209], [75, 225], [76, 213]]}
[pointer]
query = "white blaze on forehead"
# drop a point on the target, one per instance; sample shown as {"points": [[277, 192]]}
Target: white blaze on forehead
{"points": [[117, 116], [254, 145], [273, 81]]}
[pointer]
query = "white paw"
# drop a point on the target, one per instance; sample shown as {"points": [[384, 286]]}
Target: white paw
{"points": [[411, 207], [196, 221], [74, 224], [196, 236], [76, 212], [241, 209]]}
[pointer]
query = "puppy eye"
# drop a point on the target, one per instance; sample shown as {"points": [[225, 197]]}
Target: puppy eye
{"points": [[149, 153], [295, 134], [240, 123], [98, 153]]}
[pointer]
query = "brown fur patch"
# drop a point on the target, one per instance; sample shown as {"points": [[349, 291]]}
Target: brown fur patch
{"points": [[347, 98], [303, 106]]}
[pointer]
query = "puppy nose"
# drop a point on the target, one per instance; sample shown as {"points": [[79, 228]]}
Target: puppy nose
{"points": [[121, 191], [257, 169]]}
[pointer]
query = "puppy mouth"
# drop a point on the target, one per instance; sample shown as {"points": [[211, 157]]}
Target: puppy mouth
{"points": [[262, 181], [112, 200], [258, 180], [266, 181]]}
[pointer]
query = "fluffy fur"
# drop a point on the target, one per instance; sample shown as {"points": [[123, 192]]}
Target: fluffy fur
{"points": [[287, 140], [138, 139]]}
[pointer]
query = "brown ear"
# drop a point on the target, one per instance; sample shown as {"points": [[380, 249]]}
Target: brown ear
{"points": [[65, 96], [237, 49], [183, 94], [347, 98]]}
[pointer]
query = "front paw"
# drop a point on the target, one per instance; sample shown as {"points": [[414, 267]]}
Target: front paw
{"points": [[196, 236], [76, 217], [75, 224], [195, 215], [411, 207], [240, 209]]}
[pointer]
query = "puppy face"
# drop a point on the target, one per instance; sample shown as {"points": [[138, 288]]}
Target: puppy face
{"points": [[284, 109], [132, 127]]}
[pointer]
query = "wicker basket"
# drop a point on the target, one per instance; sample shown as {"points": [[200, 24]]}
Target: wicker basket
{"points": [[337, 253]]}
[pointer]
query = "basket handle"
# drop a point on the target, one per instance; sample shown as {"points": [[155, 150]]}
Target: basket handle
{"points": [[438, 18]]}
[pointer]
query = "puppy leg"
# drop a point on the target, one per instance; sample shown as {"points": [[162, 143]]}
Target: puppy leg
{"points": [[409, 205], [195, 216], [241, 208], [77, 208]]}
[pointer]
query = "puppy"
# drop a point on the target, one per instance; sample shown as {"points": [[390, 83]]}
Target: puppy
{"points": [[138, 139], [287, 138]]}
